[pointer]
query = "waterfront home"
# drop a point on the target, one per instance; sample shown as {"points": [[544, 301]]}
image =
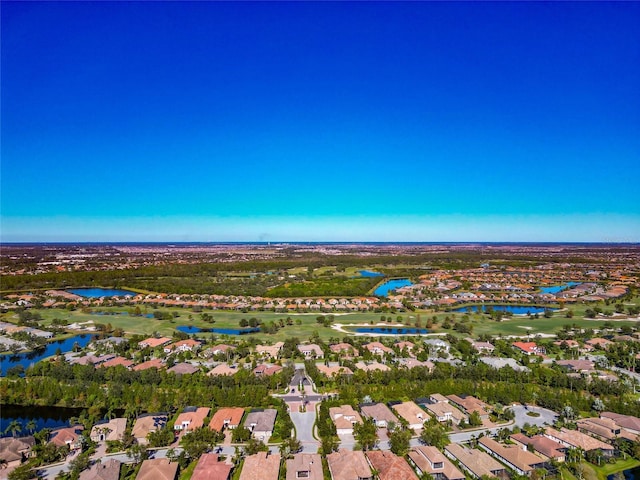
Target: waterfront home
{"points": [[261, 466], [145, 424], [429, 460], [209, 467], [475, 462], [412, 413], [349, 465], [14, 451], [226, 417], [67, 436], [305, 465], [311, 351], [379, 413], [191, 419], [543, 446], [575, 439], [344, 418], [518, 459], [158, 468], [111, 430], [103, 470], [261, 423], [390, 466]]}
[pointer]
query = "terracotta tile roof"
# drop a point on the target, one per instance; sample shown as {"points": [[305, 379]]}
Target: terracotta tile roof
{"points": [[261, 466], [379, 412], [106, 470], [157, 469], [430, 460], [475, 461], [209, 467], [226, 417], [576, 439], [153, 363], [512, 454], [190, 421], [390, 466], [310, 463], [348, 465]]}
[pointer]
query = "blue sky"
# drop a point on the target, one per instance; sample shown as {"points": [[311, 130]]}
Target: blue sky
{"points": [[320, 121]]}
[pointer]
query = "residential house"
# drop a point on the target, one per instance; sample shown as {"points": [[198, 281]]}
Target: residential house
{"points": [[188, 345], [575, 439], [518, 459], [377, 348], [470, 404], [311, 351], [227, 417], [261, 423], [271, 351], [583, 367], [390, 466], [445, 412], [158, 469], [146, 424], [103, 470], [261, 466], [436, 345], [218, 350], [543, 446], [184, 369], [604, 429], [334, 371], [153, 363], [266, 370], [344, 349], [191, 419], [627, 422], [154, 342], [601, 343], [372, 366], [344, 417], [429, 460], [305, 465], [223, 370], [112, 430], [481, 347], [209, 467], [349, 465], [529, 348], [411, 413], [118, 361], [14, 451], [66, 436], [380, 413], [475, 462]]}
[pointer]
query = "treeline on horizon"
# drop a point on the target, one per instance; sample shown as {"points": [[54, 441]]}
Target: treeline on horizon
{"points": [[213, 278]]}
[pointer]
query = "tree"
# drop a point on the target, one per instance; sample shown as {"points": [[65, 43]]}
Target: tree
{"points": [[474, 419], [434, 434], [290, 446], [240, 435], [399, 442], [365, 434], [254, 446], [14, 427], [598, 405]]}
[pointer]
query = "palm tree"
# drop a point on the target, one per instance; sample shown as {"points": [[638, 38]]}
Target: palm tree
{"points": [[32, 425], [14, 427]]}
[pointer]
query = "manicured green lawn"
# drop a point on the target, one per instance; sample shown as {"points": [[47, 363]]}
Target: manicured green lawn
{"points": [[609, 468]]}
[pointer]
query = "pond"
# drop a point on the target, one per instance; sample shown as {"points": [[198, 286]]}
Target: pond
{"points": [[100, 292], [392, 330], [515, 309], [223, 331], [631, 474], [27, 359], [368, 273], [383, 289], [558, 288], [43, 417]]}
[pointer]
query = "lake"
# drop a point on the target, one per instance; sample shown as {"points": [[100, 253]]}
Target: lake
{"points": [[392, 330], [383, 289], [27, 359], [223, 331], [44, 417], [100, 292], [515, 309], [558, 288], [632, 474], [367, 273]]}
